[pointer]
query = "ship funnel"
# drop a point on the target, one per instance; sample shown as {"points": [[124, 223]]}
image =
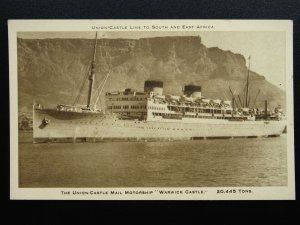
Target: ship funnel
{"points": [[154, 86], [193, 91]]}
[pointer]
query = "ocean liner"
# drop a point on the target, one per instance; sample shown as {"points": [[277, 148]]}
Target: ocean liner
{"points": [[149, 115]]}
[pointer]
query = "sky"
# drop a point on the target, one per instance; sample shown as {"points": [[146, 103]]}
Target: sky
{"points": [[266, 48]]}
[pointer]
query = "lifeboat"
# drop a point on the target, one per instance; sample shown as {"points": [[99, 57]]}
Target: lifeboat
{"points": [[173, 97], [205, 100], [245, 109], [160, 96], [187, 99], [216, 101], [227, 102], [113, 93]]}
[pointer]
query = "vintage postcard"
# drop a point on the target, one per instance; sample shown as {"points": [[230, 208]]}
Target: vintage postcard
{"points": [[151, 109]]}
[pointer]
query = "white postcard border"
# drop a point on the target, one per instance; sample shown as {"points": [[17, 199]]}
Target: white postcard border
{"points": [[188, 193]]}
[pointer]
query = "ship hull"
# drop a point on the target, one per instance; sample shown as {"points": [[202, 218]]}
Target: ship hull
{"points": [[65, 126]]}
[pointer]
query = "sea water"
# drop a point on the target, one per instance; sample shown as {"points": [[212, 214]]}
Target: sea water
{"points": [[202, 163]]}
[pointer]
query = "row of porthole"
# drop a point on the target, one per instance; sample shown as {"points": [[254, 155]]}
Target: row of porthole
{"points": [[126, 107], [160, 128], [156, 108], [157, 128], [127, 99], [84, 115], [145, 127]]}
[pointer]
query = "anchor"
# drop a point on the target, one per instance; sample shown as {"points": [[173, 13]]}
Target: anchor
{"points": [[44, 123]]}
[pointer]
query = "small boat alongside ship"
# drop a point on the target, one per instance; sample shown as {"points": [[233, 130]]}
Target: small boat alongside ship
{"points": [[150, 115]]}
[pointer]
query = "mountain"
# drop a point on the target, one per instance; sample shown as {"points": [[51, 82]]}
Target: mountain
{"points": [[51, 71]]}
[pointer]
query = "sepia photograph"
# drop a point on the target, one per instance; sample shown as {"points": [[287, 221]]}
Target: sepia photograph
{"points": [[151, 109]]}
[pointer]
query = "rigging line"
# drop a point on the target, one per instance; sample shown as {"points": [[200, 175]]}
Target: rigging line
{"points": [[248, 98], [98, 88], [79, 93], [98, 92], [81, 89], [233, 96], [247, 90], [225, 95], [249, 101], [100, 104], [99, 101], [81, 101], [246, 87], [225, 92], [105, 79], [240, 101], [256, 98], [83, 81], [244, 95]]}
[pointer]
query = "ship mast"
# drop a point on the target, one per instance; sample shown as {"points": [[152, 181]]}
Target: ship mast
{"points": [[247, 85], [91, 77]]}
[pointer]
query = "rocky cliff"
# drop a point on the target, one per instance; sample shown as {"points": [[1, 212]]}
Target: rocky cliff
{"points": [[51, 71]]}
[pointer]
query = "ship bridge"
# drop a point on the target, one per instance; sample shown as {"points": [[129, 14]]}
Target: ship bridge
{"points": [[132, 103], [129, 102]]}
